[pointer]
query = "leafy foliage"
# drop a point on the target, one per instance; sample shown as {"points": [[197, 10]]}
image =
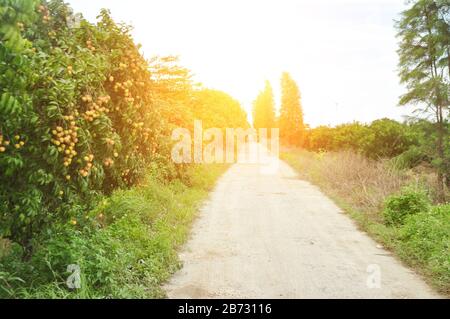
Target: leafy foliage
{"points": [[264, 109], [387, 138], [14, 14], [424, 32], [82, 113], [218, 109], [345, 136], [290, 121], [408, 224], [125, 248], [425, 239], [408, 202], [383, 138], [83, 119]]}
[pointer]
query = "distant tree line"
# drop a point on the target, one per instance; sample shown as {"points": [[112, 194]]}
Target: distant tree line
{"points": [[290, 121], [424, 52]]}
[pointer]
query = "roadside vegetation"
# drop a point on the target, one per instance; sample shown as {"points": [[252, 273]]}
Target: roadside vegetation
{"points": [[392, 177], [86, 176], [126, 247], [87, 179], [395, 206]]}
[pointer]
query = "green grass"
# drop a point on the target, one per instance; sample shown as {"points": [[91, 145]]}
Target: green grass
{"points": [[422, 238], [126, 247]]}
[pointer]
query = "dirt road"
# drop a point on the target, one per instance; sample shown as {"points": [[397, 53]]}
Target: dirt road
{"points": [[276, 236]]}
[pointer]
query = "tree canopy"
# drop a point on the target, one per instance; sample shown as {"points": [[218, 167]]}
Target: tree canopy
{"points": [[264, 109], [424, 33], [292, 127]]}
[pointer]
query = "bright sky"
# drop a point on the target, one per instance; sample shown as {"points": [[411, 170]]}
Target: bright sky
{"points": [[342, 53]]}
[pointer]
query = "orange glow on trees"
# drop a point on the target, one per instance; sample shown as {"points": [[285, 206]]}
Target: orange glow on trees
{"points": [[292, 127]]}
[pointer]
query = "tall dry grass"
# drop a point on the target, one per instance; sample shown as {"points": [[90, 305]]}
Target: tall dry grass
{"points": [[362, 183], [360, 186]]}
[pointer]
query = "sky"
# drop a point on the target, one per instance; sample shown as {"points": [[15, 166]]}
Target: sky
{"points": [[342, 53]]}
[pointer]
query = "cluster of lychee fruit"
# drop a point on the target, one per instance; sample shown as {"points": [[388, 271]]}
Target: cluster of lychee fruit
{"points": [[18, 143], [21, 26], [108, 162], [146, 133], [90, 46], [88, 159], [95, 108], [125, 175], [46, 17], [66, 139], [3, 144], [125, 88]]}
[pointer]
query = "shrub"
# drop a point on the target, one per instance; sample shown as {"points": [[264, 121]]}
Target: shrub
{"points": [[424, 238], [408, 202], [410, 158], [321, 138], [383, 138], [386, 139], [76, 120], [125, 247], [82, 113], [362, 187]]}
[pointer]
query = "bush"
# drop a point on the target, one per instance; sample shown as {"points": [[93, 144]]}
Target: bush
{"points": [[410, 158], [82, 114], [386, 139], [424, 239], [362, 187], [125, 248], [76, 116], [408, 202]]}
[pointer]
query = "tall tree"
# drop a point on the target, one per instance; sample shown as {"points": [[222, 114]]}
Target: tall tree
{"points": [[292, 127], [424, 33], [264, 109]]}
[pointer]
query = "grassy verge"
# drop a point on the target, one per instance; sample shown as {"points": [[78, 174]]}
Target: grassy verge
{"points": [[393, 206], [126, 247]]}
